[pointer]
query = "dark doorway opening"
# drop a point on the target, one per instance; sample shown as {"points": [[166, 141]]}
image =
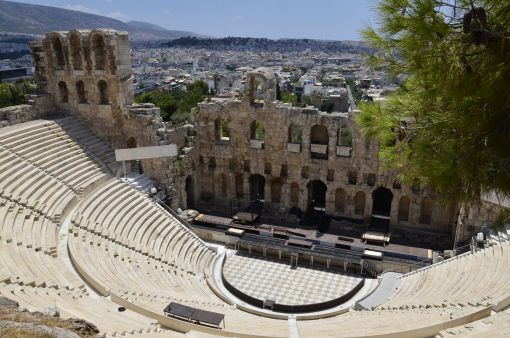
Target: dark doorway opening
{"points": [[189, 193], [257, 183], [382, 198], [317, 194]]}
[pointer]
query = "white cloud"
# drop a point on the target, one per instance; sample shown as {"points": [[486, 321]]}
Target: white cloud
{"points": [[167, 11], [237, 18]]}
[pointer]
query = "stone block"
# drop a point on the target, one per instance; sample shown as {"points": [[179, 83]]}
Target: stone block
{"points": [[294, 147], [319, 148]]}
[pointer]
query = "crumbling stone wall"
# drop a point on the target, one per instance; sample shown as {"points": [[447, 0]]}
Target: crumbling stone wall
{"points": [[88, 74], [38, 107], [232, 147], [351, 173]]}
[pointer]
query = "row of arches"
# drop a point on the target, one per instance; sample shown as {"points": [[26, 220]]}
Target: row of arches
{"points": [[76, 50], [319, 134], [102, 88], [317, 195]]}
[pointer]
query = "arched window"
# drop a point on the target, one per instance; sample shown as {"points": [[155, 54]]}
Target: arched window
{"points": [[294, 194], [257, 131], [295, 134], [340, 200], [359, 203], [102, 86], [80, 91], [319, 135], [75, 44], [99, 49], [403, 209], [319, 139], [64, 92], [60, 60], [426, 211]]}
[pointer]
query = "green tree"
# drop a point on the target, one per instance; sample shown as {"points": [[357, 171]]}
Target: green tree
{"points": [[357, 94], [12, 94], [289, 97], [448, 125], [176, 106]]}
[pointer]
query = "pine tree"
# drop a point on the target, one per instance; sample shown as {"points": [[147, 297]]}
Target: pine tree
{"points": [[448, 125]]}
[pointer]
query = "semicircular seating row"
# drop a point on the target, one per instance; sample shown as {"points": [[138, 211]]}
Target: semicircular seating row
{"points": [[46, 166], [128, 248]]}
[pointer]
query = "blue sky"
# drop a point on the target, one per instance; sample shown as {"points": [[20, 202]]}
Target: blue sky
{"points": [[319, 19]]}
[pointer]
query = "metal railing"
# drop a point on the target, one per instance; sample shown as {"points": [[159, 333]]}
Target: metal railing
{"points": [[183, 223]]}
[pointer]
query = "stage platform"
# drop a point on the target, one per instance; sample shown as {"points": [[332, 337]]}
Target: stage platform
{"points": [[262, 281]]}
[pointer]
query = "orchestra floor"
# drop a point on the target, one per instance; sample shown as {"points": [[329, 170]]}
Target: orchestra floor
{"points": [[267, 279]]}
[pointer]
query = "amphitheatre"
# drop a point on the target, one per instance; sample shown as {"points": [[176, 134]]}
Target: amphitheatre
{"points": [[79, 230]]}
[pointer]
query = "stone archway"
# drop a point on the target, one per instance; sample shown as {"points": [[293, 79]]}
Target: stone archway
{"points": [[257, 184], [382, 198], [317, 193], [63, 91], [131, 143], [99, 49], [276, 190], [75, 47]]}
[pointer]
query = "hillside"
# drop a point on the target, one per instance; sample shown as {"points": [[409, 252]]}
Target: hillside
{"points": [[36, 19], [268, 45]]}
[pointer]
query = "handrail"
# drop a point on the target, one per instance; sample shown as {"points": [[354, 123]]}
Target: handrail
{"points": [[436, 264], [181, 221]]}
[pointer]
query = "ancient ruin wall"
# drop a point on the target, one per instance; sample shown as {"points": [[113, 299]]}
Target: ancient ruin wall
{"points": [[227, 165]]}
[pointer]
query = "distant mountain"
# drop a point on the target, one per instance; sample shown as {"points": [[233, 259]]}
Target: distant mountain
{"points": [[268, 45], [36, 19], [158, 31]]}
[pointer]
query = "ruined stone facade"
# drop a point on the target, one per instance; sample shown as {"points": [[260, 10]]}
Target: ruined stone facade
{"points": [[291, 156], [234, 150], [88, 74]]}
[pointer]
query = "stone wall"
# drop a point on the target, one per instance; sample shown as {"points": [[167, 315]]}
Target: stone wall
{"points": [[88, 74], [233, 150], [38, 107], [292, 171]]}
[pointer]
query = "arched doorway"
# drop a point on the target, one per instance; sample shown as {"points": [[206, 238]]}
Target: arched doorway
{"points": [[99, 49], [276, 190], [189, 193], [403, 209], [102, 86], [131, 143], [60, 60], [382, 198], [257, 183], [294, 194], [75, 46], [64, 93], [340, 200], [317, 193], [359, 203]]}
